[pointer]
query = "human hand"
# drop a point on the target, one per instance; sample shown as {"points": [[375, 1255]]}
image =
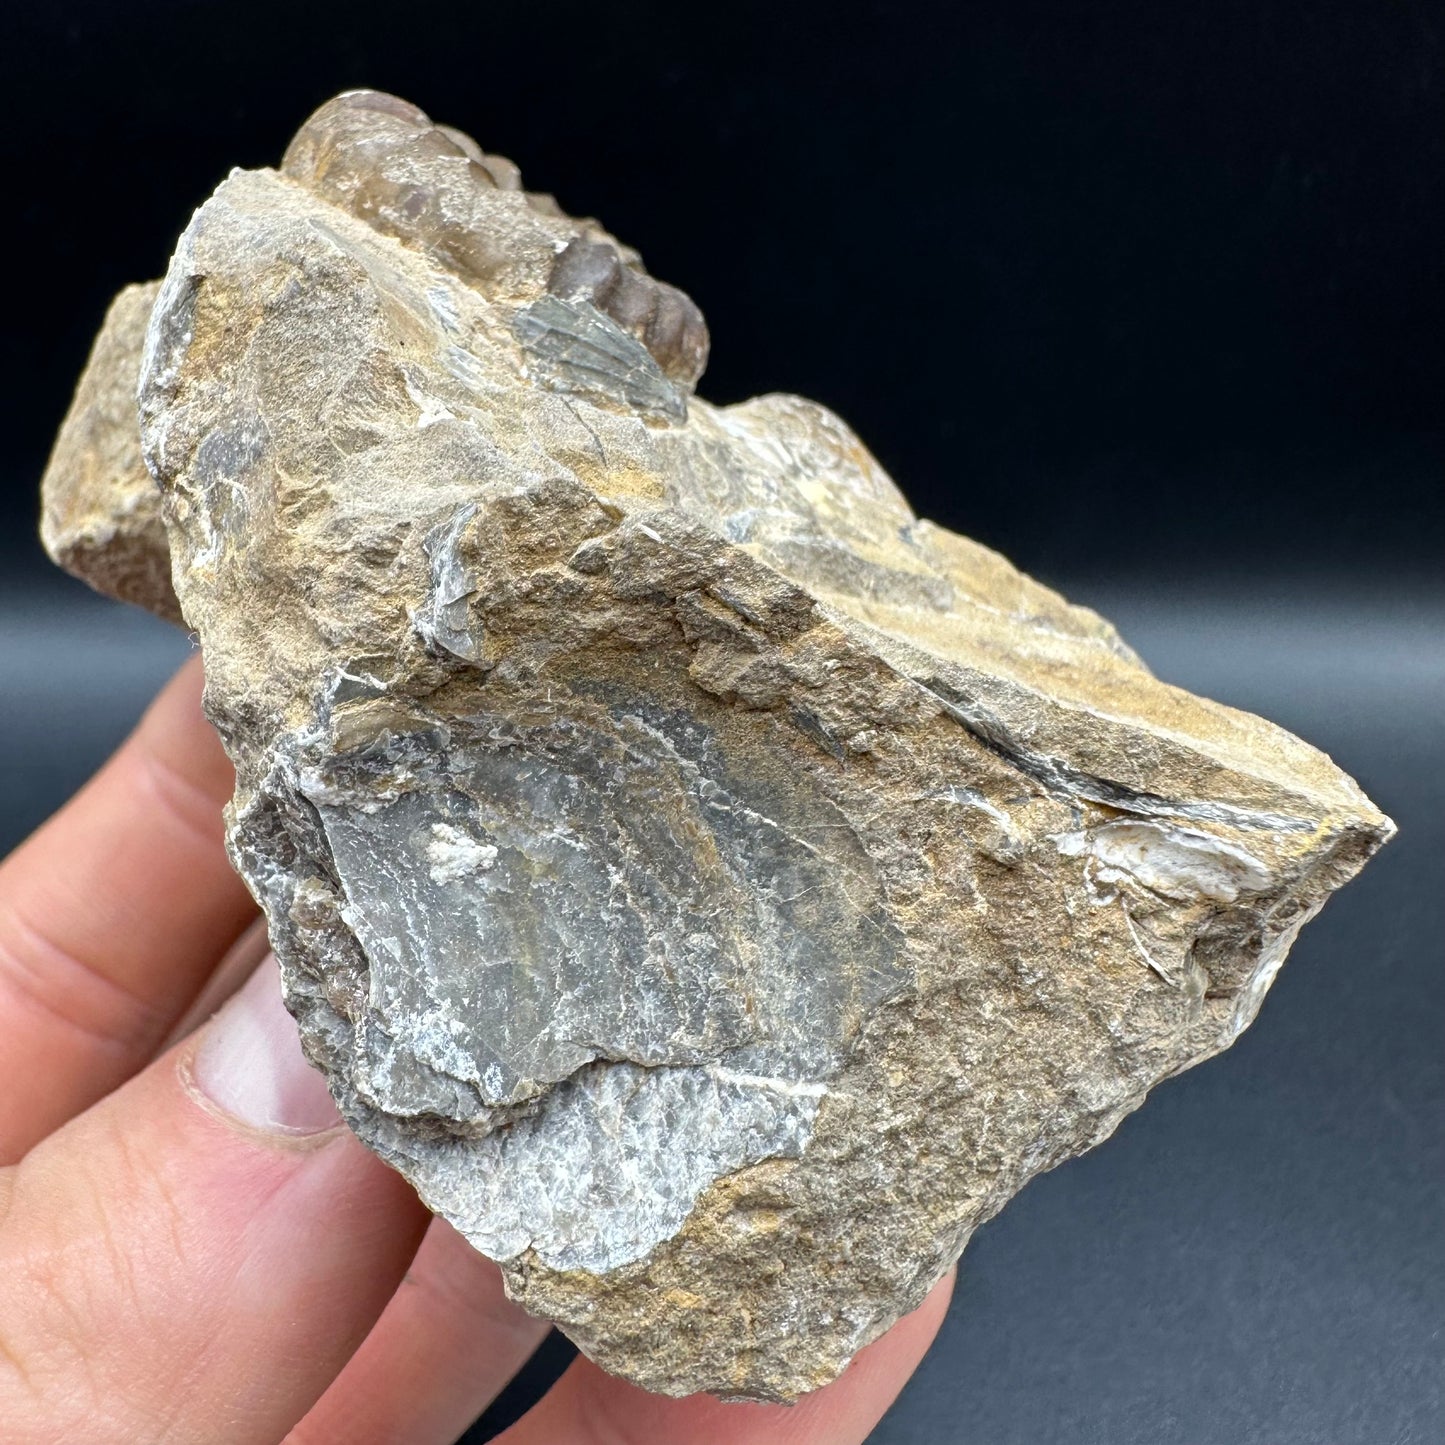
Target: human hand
{"points": [[192, 1247]]}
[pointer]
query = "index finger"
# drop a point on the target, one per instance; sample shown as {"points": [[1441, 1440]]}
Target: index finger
{"points": [[112, 915]]}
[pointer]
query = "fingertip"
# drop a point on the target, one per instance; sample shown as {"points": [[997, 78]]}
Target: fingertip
{"points": [[249, 1064]]}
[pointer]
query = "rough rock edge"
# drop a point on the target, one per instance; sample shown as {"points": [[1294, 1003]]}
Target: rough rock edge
{"points": [[101, 510]]}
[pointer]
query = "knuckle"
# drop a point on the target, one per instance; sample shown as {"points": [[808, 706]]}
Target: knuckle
{"points": [[190, 805], [68, 988]]}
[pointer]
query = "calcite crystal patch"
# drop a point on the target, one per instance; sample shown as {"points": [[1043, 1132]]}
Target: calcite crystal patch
{"points": [[714, 888]]}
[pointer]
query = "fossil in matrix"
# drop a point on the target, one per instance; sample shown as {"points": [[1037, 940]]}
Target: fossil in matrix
{"points": [[715, 889]]}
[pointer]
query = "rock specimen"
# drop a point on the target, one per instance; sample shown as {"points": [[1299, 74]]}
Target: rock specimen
{"points": [[714, 888], [102, 511]]}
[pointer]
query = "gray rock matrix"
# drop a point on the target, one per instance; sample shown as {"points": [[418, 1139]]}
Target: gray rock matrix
{"points": [[715, 889]]}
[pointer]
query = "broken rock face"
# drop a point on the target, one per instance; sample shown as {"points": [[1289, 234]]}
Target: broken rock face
{"points": [[715, 889]]}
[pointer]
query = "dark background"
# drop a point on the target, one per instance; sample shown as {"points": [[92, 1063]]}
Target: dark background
{"points": [[1150, 297], [1114, 286]]}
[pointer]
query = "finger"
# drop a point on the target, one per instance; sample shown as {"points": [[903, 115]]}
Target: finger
{"points": [[111, 917], [196, 1257], [588, 1407], [237, 964], [447, 1343]]}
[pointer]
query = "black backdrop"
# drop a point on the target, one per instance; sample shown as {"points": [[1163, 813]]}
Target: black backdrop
{"points": [[1110, 286], [1147, 295]]}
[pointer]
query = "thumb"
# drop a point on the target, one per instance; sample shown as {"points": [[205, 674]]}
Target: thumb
{"points": [[197, 1256]]}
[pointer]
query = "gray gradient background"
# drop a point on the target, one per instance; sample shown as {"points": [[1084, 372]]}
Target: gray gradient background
{"points": [[1150, 298]]}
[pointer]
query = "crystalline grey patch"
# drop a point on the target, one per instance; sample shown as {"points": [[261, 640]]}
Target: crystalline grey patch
{"points": [[1175, 862], [627, 903], [609, 1166], [442, 622], [572, 347], [1059, 777], [357, 680]]}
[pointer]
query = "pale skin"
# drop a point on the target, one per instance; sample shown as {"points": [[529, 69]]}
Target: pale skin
{"points": [[188, 1255]]}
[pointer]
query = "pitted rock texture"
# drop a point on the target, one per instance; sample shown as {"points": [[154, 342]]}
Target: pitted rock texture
{"points": [[716, 889], [101, 516]]}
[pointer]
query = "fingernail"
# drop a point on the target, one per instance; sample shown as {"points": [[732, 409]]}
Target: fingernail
{"points": [[249, 1063]]}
